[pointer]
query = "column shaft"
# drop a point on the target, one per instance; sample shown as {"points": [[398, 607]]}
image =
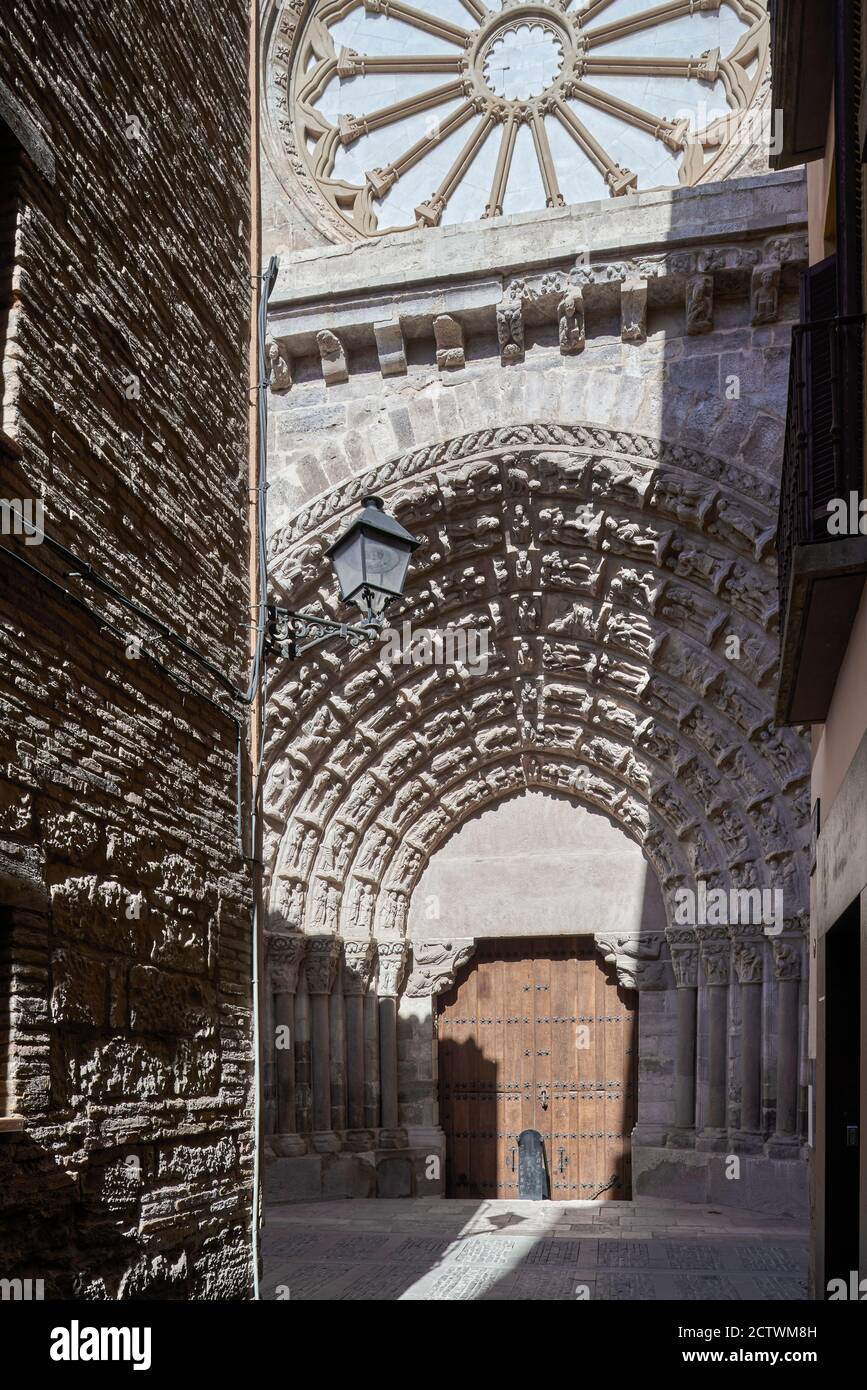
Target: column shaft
{"points": [[684, 1102]]}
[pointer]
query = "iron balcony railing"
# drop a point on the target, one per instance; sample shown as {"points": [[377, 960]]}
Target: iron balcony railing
{"points": [[822, 453]]}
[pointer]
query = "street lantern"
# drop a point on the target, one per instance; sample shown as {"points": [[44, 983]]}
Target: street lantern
{"points": [[371, 558], [370, 561]]}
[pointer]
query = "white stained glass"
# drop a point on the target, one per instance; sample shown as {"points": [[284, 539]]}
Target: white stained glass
{"points": [[527, 56], [525, 189], [685, 37], [672, 98], [379, 35], [380, 147], [397, 208], [522, 62], [359, 95]]}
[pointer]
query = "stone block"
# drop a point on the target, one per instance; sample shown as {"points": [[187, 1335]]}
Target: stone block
{"points": [[348, 1175], [294, 1179], [394, 1176]]}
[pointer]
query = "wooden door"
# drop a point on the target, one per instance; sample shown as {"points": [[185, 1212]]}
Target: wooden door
{"points": [[538, 1035]]}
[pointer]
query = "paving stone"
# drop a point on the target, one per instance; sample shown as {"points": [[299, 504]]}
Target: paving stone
{"points": [[705, 1286]]}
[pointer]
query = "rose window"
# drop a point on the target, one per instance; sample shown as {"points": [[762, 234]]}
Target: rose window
{"points": [[396, 114]]}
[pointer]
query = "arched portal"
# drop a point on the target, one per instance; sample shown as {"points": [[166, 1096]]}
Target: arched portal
{"points": [[626, 592]]}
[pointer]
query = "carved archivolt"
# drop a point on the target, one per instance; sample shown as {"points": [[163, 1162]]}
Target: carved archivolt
{"points": [[627, 591], [332, 109]]}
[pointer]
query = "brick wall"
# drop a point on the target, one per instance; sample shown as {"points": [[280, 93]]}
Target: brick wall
{"points": [[124, 897]]}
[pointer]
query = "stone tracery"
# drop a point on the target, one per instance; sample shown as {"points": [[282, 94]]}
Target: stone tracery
{"points": [[479, 96]]}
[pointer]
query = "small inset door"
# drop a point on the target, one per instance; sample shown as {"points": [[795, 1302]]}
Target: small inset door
{"points": [[536, 1034]]}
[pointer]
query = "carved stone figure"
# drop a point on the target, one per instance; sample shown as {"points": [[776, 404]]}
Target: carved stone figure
{"points": [[435, 965], [570, 320], [510, 323]]}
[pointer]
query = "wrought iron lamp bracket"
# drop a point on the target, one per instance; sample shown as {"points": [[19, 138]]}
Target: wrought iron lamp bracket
{"points": [[291, 634]]}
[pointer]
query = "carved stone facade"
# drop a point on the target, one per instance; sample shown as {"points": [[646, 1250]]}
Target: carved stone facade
{"points": [[587, 444]]}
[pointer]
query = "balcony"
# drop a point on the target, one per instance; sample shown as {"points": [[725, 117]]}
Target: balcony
{"points": [[822, 565]]}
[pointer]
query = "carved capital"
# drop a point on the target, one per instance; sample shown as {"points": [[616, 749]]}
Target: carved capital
{"points": [[392, 961], [787, 958], [323, 953], [285, 954], [358, 962], [435, 965], [684, 963], [716, 961], [748, 954], [635, 958]]}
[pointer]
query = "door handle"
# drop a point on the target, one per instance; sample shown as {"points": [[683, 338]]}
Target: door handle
{"points": [[543, 1098], [514, 1151], [563, 1160]]}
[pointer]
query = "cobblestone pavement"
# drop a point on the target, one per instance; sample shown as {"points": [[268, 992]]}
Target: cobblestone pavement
{"points": [[434, 1249]]}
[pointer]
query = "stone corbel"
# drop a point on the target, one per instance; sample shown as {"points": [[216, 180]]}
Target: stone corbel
{"points": [[765, 293], [391, 347], [285, 954], [699, 304], [279, 367], [435, 965], [510, 324], [449, 335], [633, 311], [634, 957], [334, 368], [570, 320]]}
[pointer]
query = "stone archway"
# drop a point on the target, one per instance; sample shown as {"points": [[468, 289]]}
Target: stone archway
{"points": [[627, 589]]}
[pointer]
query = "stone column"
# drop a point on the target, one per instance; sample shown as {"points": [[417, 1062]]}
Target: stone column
{"points": [[337, 1026], [435, 965], [371, 1060], [749, 953], [684, 963], [285, 954], [303, 1078], [787, 973], [358, 959], [321, 960], [715, 959], [392, 960]]}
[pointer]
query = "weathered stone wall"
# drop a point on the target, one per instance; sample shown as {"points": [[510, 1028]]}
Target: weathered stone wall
{"points": [[124, 898]]}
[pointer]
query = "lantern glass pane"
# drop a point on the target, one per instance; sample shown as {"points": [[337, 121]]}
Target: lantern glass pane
{"points": [[348, 562], [385, 563]]}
